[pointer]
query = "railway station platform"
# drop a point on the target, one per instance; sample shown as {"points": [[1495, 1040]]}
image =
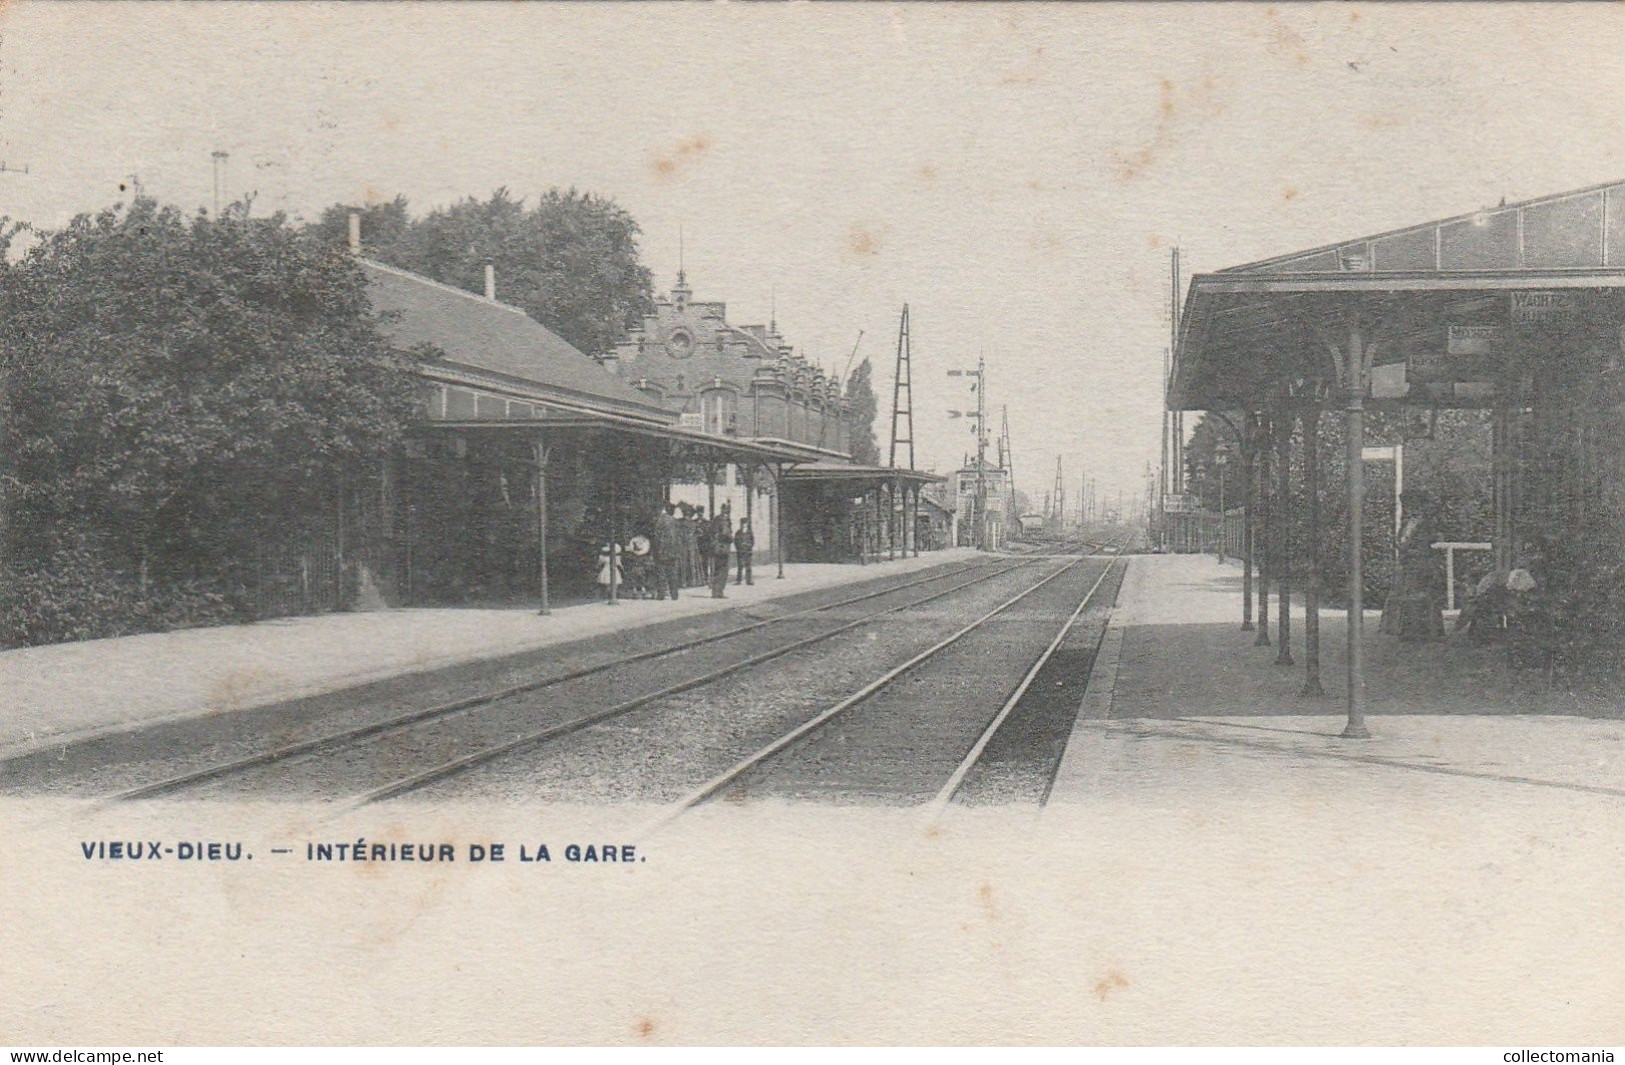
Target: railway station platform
{"points": [[78, 690], [1180, 691]]}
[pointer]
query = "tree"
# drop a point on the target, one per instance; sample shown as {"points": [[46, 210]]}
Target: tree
{"points": [[175, 395], [570, 261], [860, 396]]}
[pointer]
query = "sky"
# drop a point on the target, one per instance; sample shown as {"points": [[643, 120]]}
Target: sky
{"points": [[1016, 174]]}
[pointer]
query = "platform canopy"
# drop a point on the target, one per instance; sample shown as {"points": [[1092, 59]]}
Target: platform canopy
{"points": [[858, 476], [1468, 311], [1441, 314], [688, 444]]}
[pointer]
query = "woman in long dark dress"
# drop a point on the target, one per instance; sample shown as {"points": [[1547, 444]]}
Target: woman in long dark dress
{"points": [[686, 548], [1412, 610]]}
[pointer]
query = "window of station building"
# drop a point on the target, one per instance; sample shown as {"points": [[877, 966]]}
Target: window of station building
{"points": [[718, 410]]}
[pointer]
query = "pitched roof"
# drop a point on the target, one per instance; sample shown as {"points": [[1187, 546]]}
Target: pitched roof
{"points": [[493, 337]]}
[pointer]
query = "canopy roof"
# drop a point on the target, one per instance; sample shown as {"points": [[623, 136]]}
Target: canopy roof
{"points": [[701, 446], [852, 472], [1453, 303]]}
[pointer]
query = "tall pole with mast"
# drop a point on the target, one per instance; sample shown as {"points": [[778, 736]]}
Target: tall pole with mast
{"points": [[902, 431]]}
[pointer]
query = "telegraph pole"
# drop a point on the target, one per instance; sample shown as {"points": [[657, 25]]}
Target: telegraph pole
{"points": [[1059, 495], [1008, 462], [981, 453], [980, 388]]}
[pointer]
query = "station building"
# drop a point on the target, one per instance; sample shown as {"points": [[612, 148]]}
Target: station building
{"points": [[745, 382], [530, 457]]}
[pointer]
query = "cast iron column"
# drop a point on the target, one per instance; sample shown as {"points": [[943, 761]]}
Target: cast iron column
{"points": [[1354, 417], [539, 450], [1283, 521], [915, 524], [778, 519], [893, 516], [1249, 460], [1311, 578], [1261, 540]]}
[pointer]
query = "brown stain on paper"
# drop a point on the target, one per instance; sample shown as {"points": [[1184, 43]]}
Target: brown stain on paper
{"points": [[984, 895], [683, 154], [1177, 109], [1283, 40], [1111, 982], [1029, 73], [862, 241]]}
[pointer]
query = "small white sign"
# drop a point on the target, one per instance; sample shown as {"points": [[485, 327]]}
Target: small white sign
{"points": [[1530, 307], [1473, 339]]}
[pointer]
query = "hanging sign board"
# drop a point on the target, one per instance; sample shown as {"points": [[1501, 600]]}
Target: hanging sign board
{"points": [[1529, 308], [1474, 339]]}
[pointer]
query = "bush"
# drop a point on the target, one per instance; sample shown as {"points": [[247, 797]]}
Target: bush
{"points": [[76, 596]]}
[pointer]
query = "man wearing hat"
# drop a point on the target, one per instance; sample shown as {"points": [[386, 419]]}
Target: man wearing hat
{"points": [[744, 548], [667, 545]]}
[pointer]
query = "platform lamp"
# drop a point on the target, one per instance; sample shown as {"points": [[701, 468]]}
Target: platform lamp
{"points": [[1221, 459]]}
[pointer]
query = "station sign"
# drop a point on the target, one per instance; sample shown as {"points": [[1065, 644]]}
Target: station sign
{"points": [[1531, 308]]}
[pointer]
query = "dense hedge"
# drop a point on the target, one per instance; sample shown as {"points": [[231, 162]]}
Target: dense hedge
{"points": [[178, 397]]}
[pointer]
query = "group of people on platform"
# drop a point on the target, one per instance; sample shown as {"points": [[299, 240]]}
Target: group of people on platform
{"points": [[684, 550]]}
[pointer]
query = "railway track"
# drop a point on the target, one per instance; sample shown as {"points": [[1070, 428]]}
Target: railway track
{"points": [[607, 674], [759, 763], [448, 742]]}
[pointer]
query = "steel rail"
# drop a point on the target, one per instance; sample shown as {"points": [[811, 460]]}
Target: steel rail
{"points": [[415, 717], [565, 728], [937, 805], [745, 765]]}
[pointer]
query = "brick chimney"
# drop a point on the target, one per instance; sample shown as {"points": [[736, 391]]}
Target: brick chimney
{"points": [[355, 232]]}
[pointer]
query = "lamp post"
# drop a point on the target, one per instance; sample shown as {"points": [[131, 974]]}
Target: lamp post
{"points": [[1221, 459]]}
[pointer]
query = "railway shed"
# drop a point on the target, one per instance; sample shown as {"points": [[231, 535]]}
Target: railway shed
{"points": [[1517, 310], [850, 512]]}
